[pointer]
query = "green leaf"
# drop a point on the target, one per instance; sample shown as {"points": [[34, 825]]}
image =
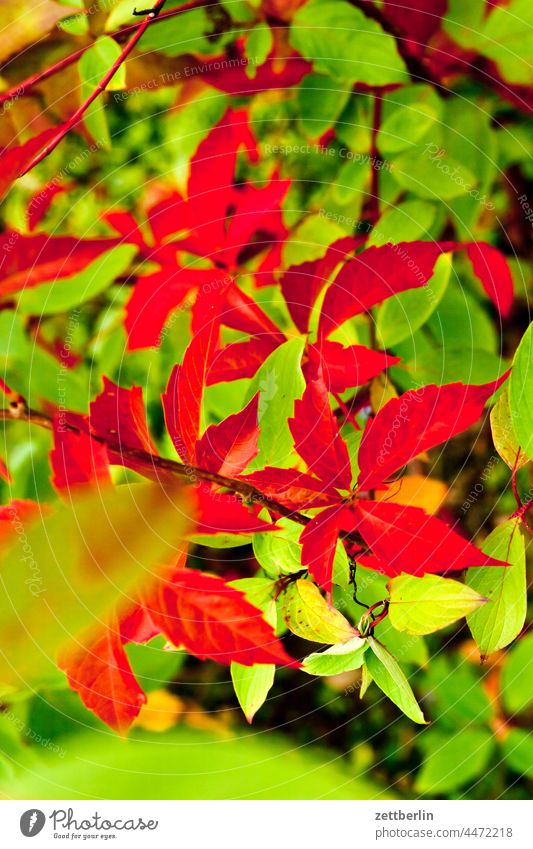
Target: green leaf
{"points": [[222, 539], [366, 680], [408, 114], [424, 605], [455, 692], [280, 383], [517, 749], [343, 42], [430, 175], [516, 680], [280, 552], [320, 102], [259, 43], [503, 434], [343, 657], [153, 664], [59, 577], [402, 314], [461, 322], [93, 66], [411, 649], [404, 223], [521, 392], [261, 593], [469, 137], [308, 615], [495, 625], [390, 678], [507, 38], [451, 761], [251, 685], [311, 239], [463, 21], [63, 295], [445, 365], [36, 374]]}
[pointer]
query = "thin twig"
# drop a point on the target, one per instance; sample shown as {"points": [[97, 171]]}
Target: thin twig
{"points": [[102, 85]]}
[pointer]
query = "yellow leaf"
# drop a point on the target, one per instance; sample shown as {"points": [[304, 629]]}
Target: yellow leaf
{"points": [[308, 615]]}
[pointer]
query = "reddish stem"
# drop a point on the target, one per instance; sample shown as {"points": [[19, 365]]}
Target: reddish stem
{"points": [[102, 85], [513, 480], [374, 156], [25, 87]]}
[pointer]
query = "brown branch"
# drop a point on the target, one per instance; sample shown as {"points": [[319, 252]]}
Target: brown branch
{"points": [[18, 411]]}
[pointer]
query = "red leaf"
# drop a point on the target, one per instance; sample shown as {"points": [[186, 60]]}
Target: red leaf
{"points": [[319, 542], [156, 295], [118, 416], [490, 266], [302, 284], [170, 216], [376, 274], [126, 226], [317, 438], [211, 619], [240, 359], [242, 313], [406, 539], [101, 674], [293, 489], [415, 422], [344, 368], [228, 447], [219, 512], [30, 260], [77, 459], [255, 208], [211, 177], [15, 160], [41, 201], [182, 401]]}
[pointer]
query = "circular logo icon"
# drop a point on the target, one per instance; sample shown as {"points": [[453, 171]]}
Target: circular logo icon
{"points": [[32, 822]]}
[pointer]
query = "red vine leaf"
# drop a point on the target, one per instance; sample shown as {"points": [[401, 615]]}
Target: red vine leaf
{"points": [[228, 447], [415, 422], [407, 539], [101, 674], [211, 619], [317, 437]]}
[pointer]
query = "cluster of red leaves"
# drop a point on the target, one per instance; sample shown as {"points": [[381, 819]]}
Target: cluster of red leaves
{"points": [[225, 226]]}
